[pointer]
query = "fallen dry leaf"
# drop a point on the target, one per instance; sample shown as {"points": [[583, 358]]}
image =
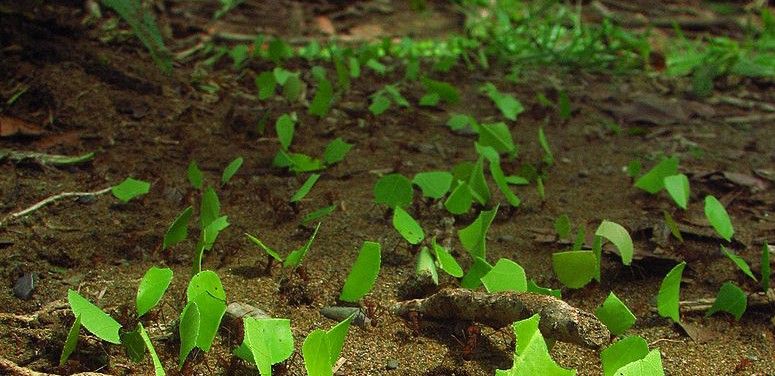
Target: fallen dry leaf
{"points": [[12, 126]]}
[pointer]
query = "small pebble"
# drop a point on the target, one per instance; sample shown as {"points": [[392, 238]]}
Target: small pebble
{"points": [[392, 364], [24, 286]]}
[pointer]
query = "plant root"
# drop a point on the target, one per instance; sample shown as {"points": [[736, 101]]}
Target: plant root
{"points": [[559, 320], [49, 200]]}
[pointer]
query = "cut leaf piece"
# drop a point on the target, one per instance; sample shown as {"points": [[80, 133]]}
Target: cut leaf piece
{"points": [[650, 365], [531, 356], [316, 351], [739, 261], [195, 176], [460, 200], [270, 341], [93, 318], [474, 236], [766, 268], [317, 214], [294, 258], [678, 188], [718, 218], [178, 231], [669, 293], [425, 265], [129, 189], [653, 181], [730, 299], [574, 269], [71, 341], [506, 275], [205, 289], [615, 315], [305, 188], [231, 169], [363, 274], [393, 190], [271, 252], [478, 184], [434, 184], [188, 329], [479, 269], [152, 287], [447, 263], [335, 151], [498, 136], [623, 352], [407, 226], [285, 127], [620, 237]]}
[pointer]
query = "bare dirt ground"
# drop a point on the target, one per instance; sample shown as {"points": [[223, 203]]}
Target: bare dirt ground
{"points": [[109, 98]]}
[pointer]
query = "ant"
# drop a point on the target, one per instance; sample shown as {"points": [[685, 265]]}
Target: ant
{"points": [[373, 311], [470, 340], [414, 322]]}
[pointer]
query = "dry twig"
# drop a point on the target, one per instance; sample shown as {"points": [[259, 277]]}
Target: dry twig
{"points": [[49, 200], [7, 367], [559, 320]]}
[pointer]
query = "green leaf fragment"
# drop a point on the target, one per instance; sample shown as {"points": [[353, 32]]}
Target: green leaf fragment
{"points": [[650, 365], [129, 189], [294, 258], [188, 329], [363, 274], [266, 84], [425, 266], [209, 208], [95, 320], [158, 368], [446, 261], [205, 289], [678, 188], [548, 156], [653, 181], [178, 231], [765, 266], [393, 190], [731, 299], [305, 188], [531, 356], [285, 126], [474, 236], [618, 235], [669, 293], [622, 352], [71, 341], [323, 99], [739, 261], [574, 269], [151, 289], [231, 169], [195, 176], [615, 315], [317, 214], [335, 151], [718, 218], [460, 200], [407, 226], [434, 184], [316, 351], [473, 278], [506, 275], [497, 135], [271, 252]]}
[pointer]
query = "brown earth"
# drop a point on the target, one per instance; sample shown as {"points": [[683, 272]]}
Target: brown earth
{"points": [[109, 98]]}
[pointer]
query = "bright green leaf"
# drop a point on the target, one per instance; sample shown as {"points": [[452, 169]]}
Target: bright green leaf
{"points": [[534, 288], [531, 356], [473, 278], [231, 169], [323, 99], [93, 318], [562, 226], [622, 352], [271, 252], [285, 126], [474, 236], [205, 289], [650, 365], [209, 208], [270, 340], [615, 315], [434, 184], [152, 287], [335, 151], [548, 156], [179, 229], [407, 226], [294, 258], [574, 269], [363, 274], [499, 137], [317, 214], [446, 261], [460, 200], [393, 190], [739, 261], [425, 265], [653, 181], [336, 337], [506, 275], [620, 237], [765, 266], [71, 341], [678, 188], [443, 90], [478, 184], [730, 299], [157, 366], [305, 188], [266, 85], [379, 104], [129, 189], [188, 330], [718, 218], [669, 293], [317, 351]]}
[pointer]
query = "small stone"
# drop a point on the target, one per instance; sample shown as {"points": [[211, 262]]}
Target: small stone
{"points": [[24, 286], [392, 364]]}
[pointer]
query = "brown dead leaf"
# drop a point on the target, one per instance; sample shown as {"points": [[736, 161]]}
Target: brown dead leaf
{"points": [[753, 183], [325, 25], [13, 126], [698, 333], [68, 139]]}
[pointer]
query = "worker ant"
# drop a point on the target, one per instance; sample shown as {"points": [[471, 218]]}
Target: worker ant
{"points": [[470, 340]]}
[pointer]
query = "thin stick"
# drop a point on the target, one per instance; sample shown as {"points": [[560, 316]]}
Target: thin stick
{"points": [[559, 320], [12, 368], [49, 200]]}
